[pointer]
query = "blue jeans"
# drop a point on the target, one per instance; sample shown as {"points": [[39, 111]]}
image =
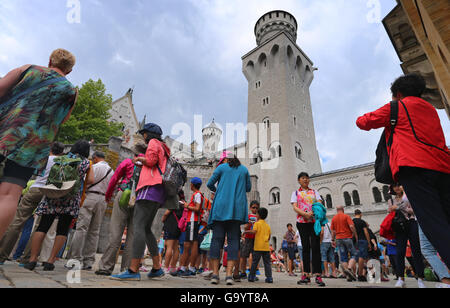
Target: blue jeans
{"points": [[431, 254], [346, 247], [232, 230]]}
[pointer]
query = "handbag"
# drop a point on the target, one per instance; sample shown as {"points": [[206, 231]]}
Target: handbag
{"points": [[383, 172], [386, 227], [206, 243]]}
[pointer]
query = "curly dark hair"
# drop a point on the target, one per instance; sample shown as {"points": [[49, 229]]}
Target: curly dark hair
{"points": [[409, 85]]}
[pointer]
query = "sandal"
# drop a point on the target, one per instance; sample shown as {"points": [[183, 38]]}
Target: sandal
{"points": [[48, 267], [30, 265]]}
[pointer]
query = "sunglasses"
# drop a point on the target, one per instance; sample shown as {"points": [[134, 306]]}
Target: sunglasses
{"points": [[255, 207]]}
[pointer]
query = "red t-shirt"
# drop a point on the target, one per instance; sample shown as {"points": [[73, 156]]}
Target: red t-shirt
{"points": [[341, 225], [251, 220]]}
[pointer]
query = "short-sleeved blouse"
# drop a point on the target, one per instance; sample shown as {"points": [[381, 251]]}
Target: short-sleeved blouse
{"points": [[305, 200]]}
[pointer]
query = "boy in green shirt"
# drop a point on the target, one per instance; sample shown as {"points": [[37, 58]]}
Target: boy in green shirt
{"points": [[262, 248]]}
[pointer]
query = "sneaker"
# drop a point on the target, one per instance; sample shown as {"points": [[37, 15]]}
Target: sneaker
{"points": [[30, 265], [200, 271], [243, 275], [187, 274], [292, 275], [400, 284], [48, 267], [237, 278], [251, 278], [350, 274], [384, 279], [156, 273], [258, 273], [229, 281], [87, 268], [102, 273], [127, 276], [421, 284], [269, 280], [320, 282], [143, 269], [362, 279], [215, 279], [173, 273], [304, 280], [207, 275]]}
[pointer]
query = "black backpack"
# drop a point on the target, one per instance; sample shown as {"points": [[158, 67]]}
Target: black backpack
{"points": [[383, 172]]}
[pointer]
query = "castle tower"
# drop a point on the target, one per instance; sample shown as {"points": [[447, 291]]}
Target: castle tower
{"points": [[279, 75], [212, 136]]}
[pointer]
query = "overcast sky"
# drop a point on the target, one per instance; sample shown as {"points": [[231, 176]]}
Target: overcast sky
{"points": [[183, 57]]}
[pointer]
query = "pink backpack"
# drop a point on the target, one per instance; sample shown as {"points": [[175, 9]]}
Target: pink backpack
{"points": [[182, 223]]}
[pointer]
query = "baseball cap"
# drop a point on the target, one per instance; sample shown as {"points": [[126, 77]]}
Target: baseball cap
{"points": [[151, 128], [196, 181]]}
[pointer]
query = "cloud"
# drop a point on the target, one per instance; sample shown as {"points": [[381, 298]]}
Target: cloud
{"points": [[184, 58]]}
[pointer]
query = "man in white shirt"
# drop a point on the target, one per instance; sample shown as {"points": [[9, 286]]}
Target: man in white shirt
{"points": [[85, 240], [27, 206]]}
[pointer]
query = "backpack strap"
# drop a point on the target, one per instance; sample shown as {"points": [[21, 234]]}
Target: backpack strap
{"points": [[393, 121]]}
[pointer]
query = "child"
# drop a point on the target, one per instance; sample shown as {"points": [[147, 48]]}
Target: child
{"points": [[261, 248], [193, 224], [249, 242]]}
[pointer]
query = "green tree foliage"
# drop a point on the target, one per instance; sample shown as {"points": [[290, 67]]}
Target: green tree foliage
{"points": [[90, 117]]}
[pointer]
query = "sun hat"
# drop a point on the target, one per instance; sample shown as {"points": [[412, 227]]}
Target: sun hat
{"points": [[53, 192], [225, 154]]}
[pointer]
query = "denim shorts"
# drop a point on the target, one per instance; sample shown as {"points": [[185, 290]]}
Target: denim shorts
{"points": [[363, 250], [327, 252], [346, 247], [292, 250]]}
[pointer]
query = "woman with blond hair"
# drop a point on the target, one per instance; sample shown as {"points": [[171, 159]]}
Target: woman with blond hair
{"points": [[34, 102]]}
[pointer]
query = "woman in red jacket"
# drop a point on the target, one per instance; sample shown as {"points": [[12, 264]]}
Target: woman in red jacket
{"points": [[419, 157]]}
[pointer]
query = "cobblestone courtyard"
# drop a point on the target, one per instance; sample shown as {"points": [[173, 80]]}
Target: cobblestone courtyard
{"points": [[13, 276]]}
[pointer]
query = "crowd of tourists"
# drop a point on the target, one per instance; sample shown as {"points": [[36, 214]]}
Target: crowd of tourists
{"points": [[60, 212]]}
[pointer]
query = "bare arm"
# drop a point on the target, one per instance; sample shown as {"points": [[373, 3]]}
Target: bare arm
{"points": [[11, 79], [91, 176], [302, 213], [355, 235]]}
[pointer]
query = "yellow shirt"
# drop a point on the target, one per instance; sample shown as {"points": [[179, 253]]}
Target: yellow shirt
{"points": [[262, 236]]}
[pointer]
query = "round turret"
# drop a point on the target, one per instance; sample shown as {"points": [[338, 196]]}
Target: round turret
{"points": [[212, 135], [273, 23]]}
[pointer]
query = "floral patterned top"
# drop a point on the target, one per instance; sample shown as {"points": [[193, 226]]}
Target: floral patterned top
{"points": [[305, 200], [68, 205], [29, 125]]}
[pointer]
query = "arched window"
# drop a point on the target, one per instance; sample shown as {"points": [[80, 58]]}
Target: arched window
{"points": [[266, 122], [279, 151], [275, 196], [329, 202], [356, 200], [348, 199], [377, 195]]}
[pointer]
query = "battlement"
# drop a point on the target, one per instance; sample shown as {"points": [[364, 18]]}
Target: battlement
{"points": [[274, 22]]}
